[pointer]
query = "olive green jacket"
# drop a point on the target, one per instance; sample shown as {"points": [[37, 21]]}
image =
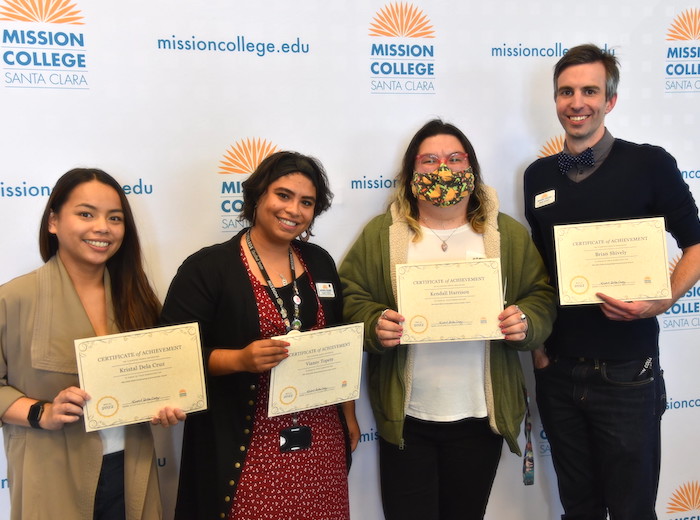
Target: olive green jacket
{"points": [[369, 286]]}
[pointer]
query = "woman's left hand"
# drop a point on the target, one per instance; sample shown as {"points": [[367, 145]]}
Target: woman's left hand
{"points": [[169, 417], [513, 323], [351, 421]]}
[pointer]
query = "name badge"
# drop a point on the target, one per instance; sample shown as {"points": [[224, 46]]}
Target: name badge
{"points": [[544, 199], [325, 290]]}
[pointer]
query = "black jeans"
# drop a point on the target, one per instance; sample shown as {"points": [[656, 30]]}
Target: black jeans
{"points": [[109, 500], [445, 471], [603, 422]]}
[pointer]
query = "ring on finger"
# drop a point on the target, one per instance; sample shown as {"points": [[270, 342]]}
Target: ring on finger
{"points": [[523, 318]]}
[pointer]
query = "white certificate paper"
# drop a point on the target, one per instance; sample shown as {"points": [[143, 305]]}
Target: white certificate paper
{"points": [[323, 368], [625, 259], [130, 376], [450, 301]]}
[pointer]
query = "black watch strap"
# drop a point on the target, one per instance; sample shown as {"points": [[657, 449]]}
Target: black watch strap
{"points": [[35, 412]]}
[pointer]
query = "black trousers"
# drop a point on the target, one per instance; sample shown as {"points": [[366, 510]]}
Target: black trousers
{"points": [[445, 471], [109, 500]]}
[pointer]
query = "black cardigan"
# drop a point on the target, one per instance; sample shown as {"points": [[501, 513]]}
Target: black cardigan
{"points": [[213, 288]]}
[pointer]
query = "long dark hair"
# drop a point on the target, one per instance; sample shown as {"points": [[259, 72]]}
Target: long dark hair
{"points": [[136, 305], [404, 198]]}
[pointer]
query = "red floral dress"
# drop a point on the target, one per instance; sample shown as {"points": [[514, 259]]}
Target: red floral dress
{"points": [[299, 485]]}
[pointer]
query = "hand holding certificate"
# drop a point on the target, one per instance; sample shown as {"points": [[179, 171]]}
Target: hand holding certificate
{"points": [[323, 368], [450, 301], [131, 376], [625, 259]]}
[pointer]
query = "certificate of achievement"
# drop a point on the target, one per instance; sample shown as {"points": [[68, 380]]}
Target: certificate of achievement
{"points": [[323, 368], [131, 376], [625, 259], [450, 301]]}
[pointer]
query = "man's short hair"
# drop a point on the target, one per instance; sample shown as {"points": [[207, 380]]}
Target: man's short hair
{"points": [[589, 53]]}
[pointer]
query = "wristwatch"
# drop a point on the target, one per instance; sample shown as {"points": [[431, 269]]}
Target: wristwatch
{"points": [[35, 412]]}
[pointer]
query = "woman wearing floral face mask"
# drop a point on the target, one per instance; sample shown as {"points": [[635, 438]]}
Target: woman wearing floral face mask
{"points": [[444, 409]]}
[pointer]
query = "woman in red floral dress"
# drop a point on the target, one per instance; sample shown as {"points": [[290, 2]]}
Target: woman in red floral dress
{"points": [[264, 282]]}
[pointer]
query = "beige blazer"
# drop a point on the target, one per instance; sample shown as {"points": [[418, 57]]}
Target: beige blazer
{"points": [[54, 474]]}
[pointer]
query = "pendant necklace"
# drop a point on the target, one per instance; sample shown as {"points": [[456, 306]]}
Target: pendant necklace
{"points": [[296, 322], [444, 245]]}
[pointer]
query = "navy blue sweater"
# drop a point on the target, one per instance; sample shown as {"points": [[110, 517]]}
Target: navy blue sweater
{"points": [[635, 181]]}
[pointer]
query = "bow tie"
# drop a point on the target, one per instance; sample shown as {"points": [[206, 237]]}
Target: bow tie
{"points": [[567, 161]]}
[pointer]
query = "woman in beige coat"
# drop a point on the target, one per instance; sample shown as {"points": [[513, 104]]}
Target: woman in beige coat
{"points": [[92, 284]]}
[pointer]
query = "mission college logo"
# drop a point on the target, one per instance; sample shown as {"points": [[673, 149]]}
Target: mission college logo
{"points": [[682, 69], [686, 499], [402, 56], [36, 53], [240, 160]]}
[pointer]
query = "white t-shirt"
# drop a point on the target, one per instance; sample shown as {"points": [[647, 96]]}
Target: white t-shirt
{"points": [[112, 440], [448, 378]]}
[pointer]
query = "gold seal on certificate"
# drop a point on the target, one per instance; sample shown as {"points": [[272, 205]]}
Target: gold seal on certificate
{"points": [[624, 259], [450, 301], [323, 368], [130, 376]]}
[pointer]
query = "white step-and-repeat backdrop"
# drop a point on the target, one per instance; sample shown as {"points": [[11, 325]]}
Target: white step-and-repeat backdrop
{"points": [[179, 100]]}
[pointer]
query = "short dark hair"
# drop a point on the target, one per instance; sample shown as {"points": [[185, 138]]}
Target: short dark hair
{"points": [[136, 305], [475, 212], [589, 53], [278, 165]]}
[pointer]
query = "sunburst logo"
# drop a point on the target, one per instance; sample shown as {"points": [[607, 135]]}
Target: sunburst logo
{"points": [[685, 499], [401, 20], [552, 147], [45, 11], [245, 156], [686, 26], [673, 263]]}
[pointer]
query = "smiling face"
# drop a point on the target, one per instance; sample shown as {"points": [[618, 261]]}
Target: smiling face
{"points": [[89, 226], [286, 209], [581, 104]]}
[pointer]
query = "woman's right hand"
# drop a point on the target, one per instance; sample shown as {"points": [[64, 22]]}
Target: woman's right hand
{"points": [[66, 408], [263, 355], [389, 328]]}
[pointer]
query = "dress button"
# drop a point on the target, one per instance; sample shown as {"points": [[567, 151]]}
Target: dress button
{"points": [[246, 431], [227, 499], [242, 448], [251, 403], [237, 465], [231, 482]]}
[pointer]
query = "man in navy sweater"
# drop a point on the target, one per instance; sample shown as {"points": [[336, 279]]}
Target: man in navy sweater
{"points": [[600, 390]]}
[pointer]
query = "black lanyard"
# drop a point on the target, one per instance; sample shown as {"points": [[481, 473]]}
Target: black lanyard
{"points": [[296, 322]]}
